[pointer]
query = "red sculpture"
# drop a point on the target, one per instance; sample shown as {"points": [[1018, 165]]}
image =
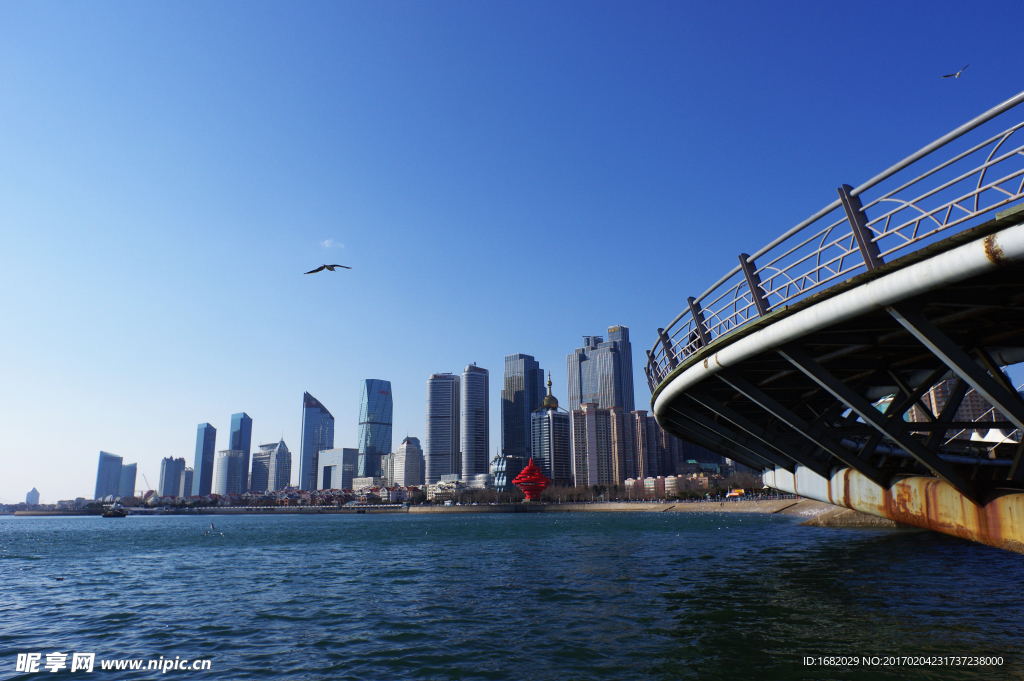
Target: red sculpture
{"points": [[532, 481]]}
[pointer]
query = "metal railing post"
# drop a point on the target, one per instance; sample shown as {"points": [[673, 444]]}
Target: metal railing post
{"points": [[698, 320], [754, 284], [859, 224], [666, 343]]}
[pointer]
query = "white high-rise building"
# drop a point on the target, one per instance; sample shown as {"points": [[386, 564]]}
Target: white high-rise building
{"points": [[442, 447], [408, 463], [229, 474], [475, 427]]}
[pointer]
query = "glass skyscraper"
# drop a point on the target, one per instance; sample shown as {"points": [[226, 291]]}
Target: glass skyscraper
{"points": [[108, 475], [375, 409], [171, 470], [317, 435], [240, 440], [442, 442], [202, 475], [475, 425], [521, 395], [601, 372], [271, 468], [126, 484]]}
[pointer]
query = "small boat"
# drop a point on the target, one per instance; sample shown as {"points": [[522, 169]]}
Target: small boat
{"points": [[116, 511]]}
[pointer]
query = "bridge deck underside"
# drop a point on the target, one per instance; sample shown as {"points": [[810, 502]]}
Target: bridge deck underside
{"points": [[804, 403]]}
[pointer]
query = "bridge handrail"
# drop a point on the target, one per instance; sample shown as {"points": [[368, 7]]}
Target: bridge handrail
{"points": [[836, 251]]}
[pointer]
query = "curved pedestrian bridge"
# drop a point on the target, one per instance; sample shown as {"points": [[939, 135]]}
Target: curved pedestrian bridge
{"points": [[858, 359]]}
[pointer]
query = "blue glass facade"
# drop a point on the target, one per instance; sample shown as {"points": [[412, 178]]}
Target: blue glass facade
{"points": [[240, 440], [601, 372], [441, 450], [317, 435], [171, 470], [202, 469], [375, 407], [108, 475], [126, 485], [521, 395]]}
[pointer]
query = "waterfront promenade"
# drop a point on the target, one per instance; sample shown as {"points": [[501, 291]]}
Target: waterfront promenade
{"points": [[774, 505]]}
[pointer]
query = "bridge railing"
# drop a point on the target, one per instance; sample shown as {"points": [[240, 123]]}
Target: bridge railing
{"points": [[848, 236]]}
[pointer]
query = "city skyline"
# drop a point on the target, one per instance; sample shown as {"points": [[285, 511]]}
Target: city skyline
{"points": [[470, 144]]}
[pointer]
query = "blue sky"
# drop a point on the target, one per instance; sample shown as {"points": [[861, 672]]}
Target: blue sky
{"points": [[502, 177]]}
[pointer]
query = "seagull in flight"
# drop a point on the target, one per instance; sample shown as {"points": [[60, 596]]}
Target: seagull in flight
{"points": [[957, 74], [327, 267]]}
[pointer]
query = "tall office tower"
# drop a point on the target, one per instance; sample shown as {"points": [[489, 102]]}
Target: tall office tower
{"points": [[259, 478], [601, 372], [521, 395], [375, 409], [623, 445], [337, 468], [603, 445], [279, 474], [649, 453], [185, 490], [202, 477], [32, 498], [240, 440], [552, 442], [317, 435], [108, 475], [229, 472], [126, 483], [408, 463], [171, 470], [475, 427], [442, 446]]}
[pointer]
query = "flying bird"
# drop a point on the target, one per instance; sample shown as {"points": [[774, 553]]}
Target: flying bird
{"points": [[327, 267], [957, 74]]}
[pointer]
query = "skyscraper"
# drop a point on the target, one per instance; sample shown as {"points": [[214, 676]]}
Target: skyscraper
{"points": [[32, 498], [228, 472], [442, 446], [375, 408], [171, 470], [240, 440], [108, 475], [552, 446], [259, 478], [601, 372], [603, 445], [521, 395], [185, 490], [475, 425], [202, 476], [409, 463], [317, 435], [126, 482], [271, 468]]}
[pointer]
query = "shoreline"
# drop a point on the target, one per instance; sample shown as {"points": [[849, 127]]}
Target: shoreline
{"points": [[812, 513], [751, 506]]}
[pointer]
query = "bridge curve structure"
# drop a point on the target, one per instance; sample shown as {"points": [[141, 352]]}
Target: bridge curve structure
{"points": [[811, 358]]}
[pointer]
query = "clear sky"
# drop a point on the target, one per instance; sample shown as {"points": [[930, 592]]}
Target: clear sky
{"points": [[502, 177]]}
